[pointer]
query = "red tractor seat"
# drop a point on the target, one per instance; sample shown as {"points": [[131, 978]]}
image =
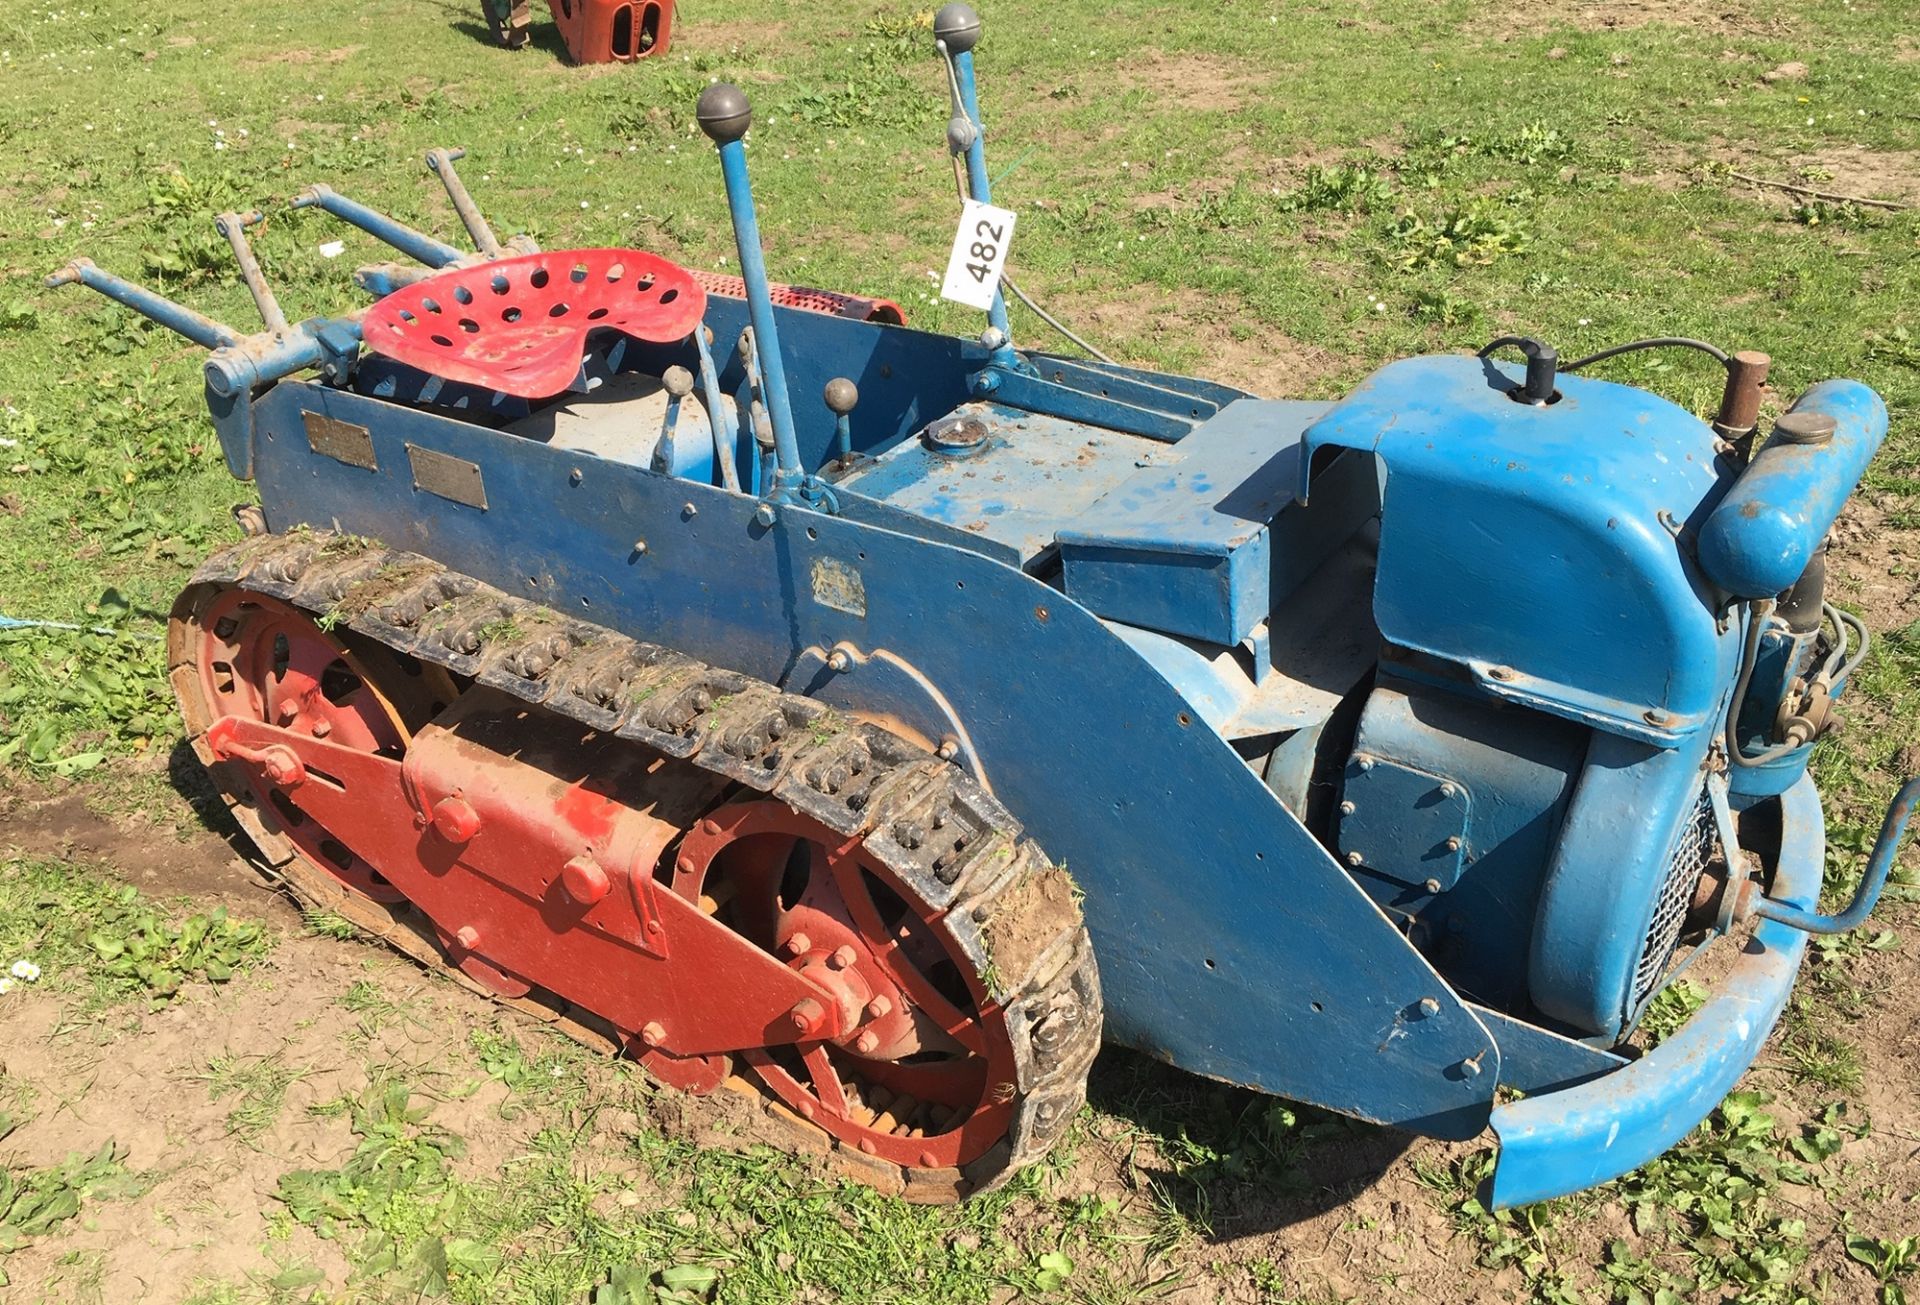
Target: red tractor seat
{"points": [[520, 325]]}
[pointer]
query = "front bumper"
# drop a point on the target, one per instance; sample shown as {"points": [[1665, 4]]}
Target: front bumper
{"points": [[1565, 1141]]}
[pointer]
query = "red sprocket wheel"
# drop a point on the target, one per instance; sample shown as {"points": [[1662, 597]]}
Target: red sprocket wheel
{"points": [[924, 1074], [258, 658]]}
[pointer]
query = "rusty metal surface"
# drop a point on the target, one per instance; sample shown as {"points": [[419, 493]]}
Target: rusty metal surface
{"points": [[945, 841], [343, 441], [449, 477]]}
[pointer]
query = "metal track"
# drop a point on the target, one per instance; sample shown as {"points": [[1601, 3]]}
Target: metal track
{"points": [[1014, 914]]}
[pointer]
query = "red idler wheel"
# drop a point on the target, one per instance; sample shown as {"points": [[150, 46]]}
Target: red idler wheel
{"points": [[520, 325], [261, 659], [923, 1073]]}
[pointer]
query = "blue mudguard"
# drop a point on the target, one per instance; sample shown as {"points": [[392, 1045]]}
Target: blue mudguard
{"points": [[1564, 1141]]}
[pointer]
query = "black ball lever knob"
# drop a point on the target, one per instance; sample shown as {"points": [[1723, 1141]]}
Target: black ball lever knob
{"points": [[723, 112], [958, 27]]}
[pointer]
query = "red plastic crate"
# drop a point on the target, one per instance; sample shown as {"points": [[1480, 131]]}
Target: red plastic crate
{"points": [[613, 31]]}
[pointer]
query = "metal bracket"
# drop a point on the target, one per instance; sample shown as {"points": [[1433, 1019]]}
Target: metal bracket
{"points": [[1079, 392]]}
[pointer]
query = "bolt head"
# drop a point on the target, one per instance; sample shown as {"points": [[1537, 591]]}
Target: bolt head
{"points": [[1453, 844], [455, 820], [799, 945], [678, 381], [1347, 808], [839, 660], [843, 957], [322, 728], [1449, 789], [765, 514], [468, 937], [866, 1042], [1658, 716], [1354, 858], [585, 881], [879, 1008], [1433, 887], [1429, 1007], [1501, 672], [806, 1015], [653, 1034], [1471, 1067], [1363, 762]]}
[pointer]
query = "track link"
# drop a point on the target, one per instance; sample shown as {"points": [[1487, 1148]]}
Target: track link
{"points": [[1014, 913]]}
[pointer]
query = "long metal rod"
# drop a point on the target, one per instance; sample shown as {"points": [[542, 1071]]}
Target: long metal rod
{"points": [[766, 334], [413, 244], [441, 161], [234, 227], [726, 432], [977, 180], [1867, 895], [197, 327]]}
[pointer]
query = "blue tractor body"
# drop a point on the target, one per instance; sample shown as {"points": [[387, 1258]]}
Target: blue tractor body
{"points": [[1386, 739]]}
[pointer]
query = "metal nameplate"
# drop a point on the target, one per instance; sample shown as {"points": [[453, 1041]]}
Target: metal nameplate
{"points": [[340, 440], [448, 476]]}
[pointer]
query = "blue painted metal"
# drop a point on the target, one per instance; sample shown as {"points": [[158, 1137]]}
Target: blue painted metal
{"points": [[197, 327], [766, 329], [1630, 806], [1766, 528], [1028, 474], [1514, 775], [1189, 976], [1079, 393], [1799, 915], [1532, 546], [1560, 1142], [1535, 1060], [981, 188], [1411, 825], [1203, 541], [414, 244], [726, 431]]}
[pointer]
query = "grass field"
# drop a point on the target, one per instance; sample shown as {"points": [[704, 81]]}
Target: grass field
{"points": [[207, 1098]]}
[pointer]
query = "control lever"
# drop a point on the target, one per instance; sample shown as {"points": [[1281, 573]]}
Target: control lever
{"points": [[234, 227]]}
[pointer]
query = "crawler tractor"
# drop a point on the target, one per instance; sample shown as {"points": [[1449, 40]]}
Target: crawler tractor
{"points": [[859, 725]]}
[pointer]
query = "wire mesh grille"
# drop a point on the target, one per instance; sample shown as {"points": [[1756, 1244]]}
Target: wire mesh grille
{"points": [[1691, 853]]}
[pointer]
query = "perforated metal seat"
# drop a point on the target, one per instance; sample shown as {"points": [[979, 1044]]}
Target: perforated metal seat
{"points": [[520, 325]]}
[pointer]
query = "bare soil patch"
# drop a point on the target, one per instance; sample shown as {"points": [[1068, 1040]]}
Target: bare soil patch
{"points": [[1196, 82], [160, 860], [1263, 360], [1536, 16], [741, 36]]}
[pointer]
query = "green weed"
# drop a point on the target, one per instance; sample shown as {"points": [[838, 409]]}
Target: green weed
{"points": [[259, 1085], [1343, 188], [34, 1202], [79, 925], [1476, 233], [135, 943]]}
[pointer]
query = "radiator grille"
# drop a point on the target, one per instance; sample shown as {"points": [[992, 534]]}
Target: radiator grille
{"points": [[1691, 853]]}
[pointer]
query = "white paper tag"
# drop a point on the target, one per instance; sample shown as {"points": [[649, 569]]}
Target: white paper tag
{"points": [[979, 255], [333, 249]]}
